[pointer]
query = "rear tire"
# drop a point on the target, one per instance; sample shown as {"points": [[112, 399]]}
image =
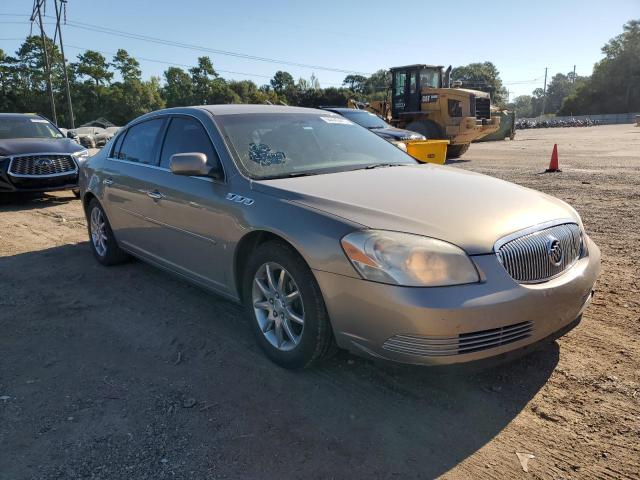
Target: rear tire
{"points": [[455, 151], [101, 239], [285, 307]]}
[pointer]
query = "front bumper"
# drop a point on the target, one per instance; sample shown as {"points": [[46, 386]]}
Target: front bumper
{"points": [[470, 129], [367, 316], [36, 183]]}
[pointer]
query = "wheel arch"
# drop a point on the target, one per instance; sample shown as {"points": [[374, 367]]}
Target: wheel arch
{"points": [[250, 242]]}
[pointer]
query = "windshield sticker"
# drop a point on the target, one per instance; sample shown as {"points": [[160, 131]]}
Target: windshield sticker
{"points": [[337, 120], [261, 153], [38, 120]]}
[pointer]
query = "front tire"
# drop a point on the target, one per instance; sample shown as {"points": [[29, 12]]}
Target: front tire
{"points": [[101, 239], [285, 307]]}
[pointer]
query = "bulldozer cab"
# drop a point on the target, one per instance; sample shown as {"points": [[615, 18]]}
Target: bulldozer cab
{"points": [[407, 84]]}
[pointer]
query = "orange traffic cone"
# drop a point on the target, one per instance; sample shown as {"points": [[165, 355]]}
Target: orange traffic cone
{"points": [[553, 164]]}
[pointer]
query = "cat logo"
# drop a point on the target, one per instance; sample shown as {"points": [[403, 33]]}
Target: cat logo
{"points": [[234, 197]]}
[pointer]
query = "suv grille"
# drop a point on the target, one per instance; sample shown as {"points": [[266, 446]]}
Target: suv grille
{"points": [[483, 108], [42, 165], [541, 255], [461, 344]]}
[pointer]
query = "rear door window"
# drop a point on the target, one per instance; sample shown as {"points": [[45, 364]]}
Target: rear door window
{"points": [[187, 135], [141, 142]]}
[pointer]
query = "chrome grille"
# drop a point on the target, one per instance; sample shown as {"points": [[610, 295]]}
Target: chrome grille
{"points": [[529, 258], [460, 344], [43, 165]]}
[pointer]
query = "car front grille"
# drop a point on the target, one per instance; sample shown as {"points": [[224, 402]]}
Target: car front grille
{"points": [[460, 344], [42, 165], [483, 108], [529, 258]]}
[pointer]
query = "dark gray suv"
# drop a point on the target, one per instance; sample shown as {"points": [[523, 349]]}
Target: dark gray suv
{"points": [[35, 156]]}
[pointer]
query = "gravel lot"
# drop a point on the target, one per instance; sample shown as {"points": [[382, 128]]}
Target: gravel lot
{"points": [[129, 373]]}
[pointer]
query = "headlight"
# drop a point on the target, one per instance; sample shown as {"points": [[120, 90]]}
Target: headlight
{"points": [[409, 260], [81, 155], [401, 145]]}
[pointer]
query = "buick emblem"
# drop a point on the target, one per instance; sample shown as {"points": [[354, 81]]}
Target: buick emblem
{"points": [[44, 162], [554, 251]]}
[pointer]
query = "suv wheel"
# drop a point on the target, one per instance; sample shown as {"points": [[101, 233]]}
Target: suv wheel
{"points": [[285, 307], [103, 243]]}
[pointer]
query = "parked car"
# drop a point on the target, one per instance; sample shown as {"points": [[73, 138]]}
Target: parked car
{"points": [[330, 235], [35, 156], [92, 137], [377, 125], [111, 131]]}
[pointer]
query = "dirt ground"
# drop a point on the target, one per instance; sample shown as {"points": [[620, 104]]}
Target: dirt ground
{"points": [[129, 373]]}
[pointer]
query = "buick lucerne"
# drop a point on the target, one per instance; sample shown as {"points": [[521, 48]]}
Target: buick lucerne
{"points": [[331, 236]]}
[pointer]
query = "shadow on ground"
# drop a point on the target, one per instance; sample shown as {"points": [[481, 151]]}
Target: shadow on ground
{"points": [[127, 372], [14, 202]]}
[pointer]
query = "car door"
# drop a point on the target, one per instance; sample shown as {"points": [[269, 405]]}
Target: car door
{"points": [[193, 215], [131, 197]]}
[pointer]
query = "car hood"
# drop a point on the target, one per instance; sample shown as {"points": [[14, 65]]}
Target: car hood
{"points": [[391, 133], [18, 146], [467, 209]]}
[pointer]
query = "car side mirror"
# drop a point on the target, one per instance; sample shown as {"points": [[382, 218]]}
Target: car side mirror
{"points": [[192, 164]]}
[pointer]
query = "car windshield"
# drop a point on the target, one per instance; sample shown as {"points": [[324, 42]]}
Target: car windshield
{"points": [[366, 119], [290, 144], [27, 127]]}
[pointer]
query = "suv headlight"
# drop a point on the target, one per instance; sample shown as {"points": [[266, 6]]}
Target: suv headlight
{"points": [[409, 260], [401, 145], [81, 155]]}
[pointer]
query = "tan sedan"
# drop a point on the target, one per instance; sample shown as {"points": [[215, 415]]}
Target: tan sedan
{"points": [[331, 236]]}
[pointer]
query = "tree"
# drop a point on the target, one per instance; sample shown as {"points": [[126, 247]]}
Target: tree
{"points": [[377, 86], [614, 86], [523, 106], [128, 66], [92, 64], [202, 77], [282, 82], [178, 88], [481, 76], [355, 82]]}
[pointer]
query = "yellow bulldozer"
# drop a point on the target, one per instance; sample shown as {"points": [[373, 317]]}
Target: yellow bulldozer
{"points": [[422, 100]]}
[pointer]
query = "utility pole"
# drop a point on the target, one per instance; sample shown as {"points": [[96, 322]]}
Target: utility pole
{"points": [[37, 6], [544, 92], [59, 6], [574, 75]]}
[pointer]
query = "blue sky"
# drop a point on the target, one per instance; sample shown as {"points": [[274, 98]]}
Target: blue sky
{"points": [[521, 38]]}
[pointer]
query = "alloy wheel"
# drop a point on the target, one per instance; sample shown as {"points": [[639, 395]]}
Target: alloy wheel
{"points": [[278, 307], [98, 231]]}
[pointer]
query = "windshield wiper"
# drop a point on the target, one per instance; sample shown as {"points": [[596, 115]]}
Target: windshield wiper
{"points": [[382, 165]]}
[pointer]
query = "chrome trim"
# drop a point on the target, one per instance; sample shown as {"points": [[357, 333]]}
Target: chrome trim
{"points": [[525, 231], [525, 262], [63, 174], [460, 344], [150, 116]]}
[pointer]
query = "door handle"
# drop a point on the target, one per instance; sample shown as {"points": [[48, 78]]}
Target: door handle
{"points": [[156, 195], [108, 182]]}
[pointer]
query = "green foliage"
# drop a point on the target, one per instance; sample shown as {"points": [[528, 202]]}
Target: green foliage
{"points": [[484, 77], [614, 86]]}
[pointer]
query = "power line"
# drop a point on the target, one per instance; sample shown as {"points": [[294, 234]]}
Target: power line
{"points": [[160, 41]]}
